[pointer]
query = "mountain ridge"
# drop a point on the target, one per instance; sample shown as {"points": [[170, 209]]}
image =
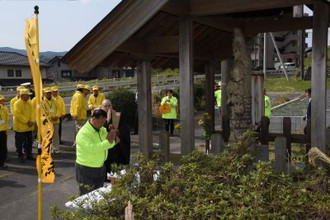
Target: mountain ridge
{"points": [[45, 56]]}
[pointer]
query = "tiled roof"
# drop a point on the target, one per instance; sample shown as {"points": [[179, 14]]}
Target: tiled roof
{"points": [[15, 59]]}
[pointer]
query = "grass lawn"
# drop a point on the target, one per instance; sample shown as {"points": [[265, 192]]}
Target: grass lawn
{"points": [[293, 85]]}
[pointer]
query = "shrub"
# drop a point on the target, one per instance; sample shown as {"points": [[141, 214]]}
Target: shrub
{"points": [[199, 95], [229, 185], [124, 101]]}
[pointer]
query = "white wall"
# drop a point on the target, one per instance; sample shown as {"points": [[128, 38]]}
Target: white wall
{"points": [[26, 72]]}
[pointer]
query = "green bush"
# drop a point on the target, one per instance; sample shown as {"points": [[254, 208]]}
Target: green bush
{"points": [[229, 185], [124, 101], [199, 95]]}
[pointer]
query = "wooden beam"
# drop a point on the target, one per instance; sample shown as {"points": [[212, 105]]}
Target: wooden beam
{"points": [[319, 75], [176, 7], [212, 7], [271, 25], [127, 18], [224, 23], [144, 107], [209, 91], [159, 45], [226, 66], [186, 85]]}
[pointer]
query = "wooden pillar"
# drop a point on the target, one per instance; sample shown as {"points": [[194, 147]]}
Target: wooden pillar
{"points": [[257, 93], [186, 85], [319, 74], [144, 107], [209, 91], [280, 155], [225, 73], [287, 135], [298, 11], [164, 143]]}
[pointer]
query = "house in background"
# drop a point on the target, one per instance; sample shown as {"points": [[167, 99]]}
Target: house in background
{"points": [[60, 71], [15, 69]]}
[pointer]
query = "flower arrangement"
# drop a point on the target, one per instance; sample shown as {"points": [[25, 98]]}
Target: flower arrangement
{"points": [[205, 122]]}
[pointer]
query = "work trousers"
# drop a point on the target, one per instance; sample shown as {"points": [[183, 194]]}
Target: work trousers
{"points": [[23, 140], [56, 138], [169, 125], [89, 178], [3, 147]]}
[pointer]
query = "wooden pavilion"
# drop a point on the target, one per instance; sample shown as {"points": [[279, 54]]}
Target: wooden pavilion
{"points": [[193, 35]]}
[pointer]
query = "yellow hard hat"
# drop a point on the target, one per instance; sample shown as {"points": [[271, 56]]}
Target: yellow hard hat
{"points": [[54, 88], [25, 92], [80, 86], [18, 88], [95, 88], [47, 89], [2, 97], [87, 87]]}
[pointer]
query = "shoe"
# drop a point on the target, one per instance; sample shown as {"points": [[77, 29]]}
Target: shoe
{"points": [[30, 157], [3, 167]]}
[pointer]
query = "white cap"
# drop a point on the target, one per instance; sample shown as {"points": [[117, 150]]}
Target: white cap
{"points": [[26, 84]]}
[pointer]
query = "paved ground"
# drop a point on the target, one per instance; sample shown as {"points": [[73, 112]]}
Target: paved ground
{"points": [[18, 184]]}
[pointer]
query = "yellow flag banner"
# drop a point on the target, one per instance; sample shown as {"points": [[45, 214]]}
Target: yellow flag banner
{"points": [[45, 163]]}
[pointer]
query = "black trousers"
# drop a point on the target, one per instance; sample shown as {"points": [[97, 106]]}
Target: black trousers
{"points": [[23, 140], [3, 147], [89, 178], [169, 125]]}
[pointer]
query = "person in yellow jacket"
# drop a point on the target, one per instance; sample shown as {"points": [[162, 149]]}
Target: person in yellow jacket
{"points": [[217, 96], [13, 100], [172, 115], [23, 125], [93, 142], [95, 100], [61, 105], [4, 118], [268, 105], [78, 108], [54, 112]]}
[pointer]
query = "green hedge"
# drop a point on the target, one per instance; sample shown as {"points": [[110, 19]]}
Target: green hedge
{"points": [[229, 185], [124, 101]]}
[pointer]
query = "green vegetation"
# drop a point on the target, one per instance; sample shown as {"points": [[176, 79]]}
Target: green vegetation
{"points": [[124, 101], [230, 185], [282, 85], [308, 59]]}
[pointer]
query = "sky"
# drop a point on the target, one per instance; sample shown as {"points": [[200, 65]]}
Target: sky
{"points": [[62, 23]]}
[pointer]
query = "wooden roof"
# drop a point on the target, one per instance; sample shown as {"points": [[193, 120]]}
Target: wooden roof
{"points": [[143, 29]]}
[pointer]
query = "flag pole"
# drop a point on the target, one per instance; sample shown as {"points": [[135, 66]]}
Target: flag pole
{"points": [[39, 168]]}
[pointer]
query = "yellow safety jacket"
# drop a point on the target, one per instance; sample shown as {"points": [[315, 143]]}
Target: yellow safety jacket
{"points": [[23, 112], [268, 105], [60, 104], [95, 102], [217, 95], [173, 104], [92, 146], [78, 106], [4, 118], [12, 102], [52, 109]]}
